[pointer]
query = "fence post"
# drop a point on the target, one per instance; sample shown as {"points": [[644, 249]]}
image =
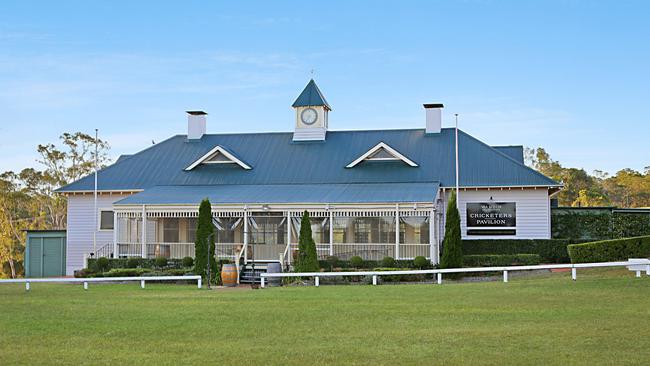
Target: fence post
{"points": [[439, 278], [505, 276], [574, 275], [85, 285], [198, 283], [26, 286], [374, 280], [142, 283], [262, 281], [647, 270], [316, 281], [638, 274]]}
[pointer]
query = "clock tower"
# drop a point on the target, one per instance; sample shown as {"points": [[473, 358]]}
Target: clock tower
{"points": [[311, 114]]}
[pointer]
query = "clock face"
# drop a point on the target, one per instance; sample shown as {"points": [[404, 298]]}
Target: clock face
{"points": [[309, 116]]}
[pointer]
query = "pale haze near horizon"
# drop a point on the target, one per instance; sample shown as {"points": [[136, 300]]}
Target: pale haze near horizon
{"points": [[570, 76]]}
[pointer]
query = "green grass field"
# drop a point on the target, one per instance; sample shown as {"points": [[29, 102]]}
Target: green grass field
{"points": [[603, 318]]}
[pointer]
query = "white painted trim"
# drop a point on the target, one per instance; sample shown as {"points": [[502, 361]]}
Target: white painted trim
{"points": [[382, 145], [217, 149]]}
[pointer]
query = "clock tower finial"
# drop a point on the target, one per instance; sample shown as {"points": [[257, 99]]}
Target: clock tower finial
{"points": [[311, 114]]}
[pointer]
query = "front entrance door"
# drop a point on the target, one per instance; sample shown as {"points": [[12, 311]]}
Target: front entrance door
{"points": [[268, 235]]}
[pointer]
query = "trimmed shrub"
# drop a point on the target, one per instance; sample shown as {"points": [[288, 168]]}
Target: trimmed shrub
{"points": [[142, 263], [610, 250], [388, 262], [187, 262], [421, 262], [356, 262], [127, 272], [332, 261], [452, 248], [160, 262], [496, 260], [102, 264], [132, 262], [307, 260], [549, 250]]}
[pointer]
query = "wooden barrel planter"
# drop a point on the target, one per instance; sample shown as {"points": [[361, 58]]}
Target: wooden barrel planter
{"points": [[229, 275]]}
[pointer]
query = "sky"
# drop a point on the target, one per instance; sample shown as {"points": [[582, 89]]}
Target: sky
{"points": [[570, 76]]}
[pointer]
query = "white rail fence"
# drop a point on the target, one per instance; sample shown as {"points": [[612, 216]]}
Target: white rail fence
{"points": [[636, 265], [85, 281]]}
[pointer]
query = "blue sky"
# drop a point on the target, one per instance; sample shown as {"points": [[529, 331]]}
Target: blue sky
{"points": [[571, 76]]}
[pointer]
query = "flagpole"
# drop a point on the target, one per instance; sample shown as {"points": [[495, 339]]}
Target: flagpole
{"points": [[95, 200], [457, 181]]}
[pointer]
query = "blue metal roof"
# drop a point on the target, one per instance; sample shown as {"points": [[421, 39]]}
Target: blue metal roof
{"points": [[275, 159], [311, 96], [515, 152], [287, 193]]}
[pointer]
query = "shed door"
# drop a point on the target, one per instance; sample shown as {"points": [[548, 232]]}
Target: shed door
{"points": [[35, 257], [53, 257]]}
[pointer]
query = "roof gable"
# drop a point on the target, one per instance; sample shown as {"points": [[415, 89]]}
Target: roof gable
{"points": [[218, 155], [381, 152]]}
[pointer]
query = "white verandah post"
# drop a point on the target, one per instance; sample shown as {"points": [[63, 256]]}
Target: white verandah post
{"points": [[433, 238], [144, 232], [289, 254], [331, 233], [245, 236], [115, 231], [397, 231]]}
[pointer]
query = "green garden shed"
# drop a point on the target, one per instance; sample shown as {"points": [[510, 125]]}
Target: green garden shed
{"points": [[45, 253]]}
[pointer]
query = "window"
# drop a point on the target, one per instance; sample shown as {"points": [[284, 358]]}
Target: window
{"points": [[170, 230], [191, 229], [106, 220]]}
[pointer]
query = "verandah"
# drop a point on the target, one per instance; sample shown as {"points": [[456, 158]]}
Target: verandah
{"points": [[269, 235]]}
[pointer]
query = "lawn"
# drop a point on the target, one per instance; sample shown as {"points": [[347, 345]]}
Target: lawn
{"points": [[603, 318]]}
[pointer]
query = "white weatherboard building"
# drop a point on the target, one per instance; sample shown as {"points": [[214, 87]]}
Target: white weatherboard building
{"points": [[372, 193]]}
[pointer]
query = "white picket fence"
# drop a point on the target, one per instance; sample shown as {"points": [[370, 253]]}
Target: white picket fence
{"points": [[636, 265], [86, 281]]}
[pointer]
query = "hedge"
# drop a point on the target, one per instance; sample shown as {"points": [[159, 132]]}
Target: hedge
{"points": [[113, 263], [332, 262], [549, 250], [498, 260], [598, 223], [610, 250]]}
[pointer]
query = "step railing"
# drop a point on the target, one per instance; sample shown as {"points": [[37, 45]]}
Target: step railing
{"points": [[633, 264]]}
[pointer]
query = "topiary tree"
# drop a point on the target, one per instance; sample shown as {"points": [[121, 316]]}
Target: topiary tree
{"points": [[160, 262], [205, 231], [421, 262], [388, 262], [452, 249], [356, 261], [102, 264], [187, 262], [307, 260]]}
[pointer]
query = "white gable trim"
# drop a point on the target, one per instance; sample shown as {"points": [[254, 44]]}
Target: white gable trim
{"points": [[224, 152], [389, 149]]}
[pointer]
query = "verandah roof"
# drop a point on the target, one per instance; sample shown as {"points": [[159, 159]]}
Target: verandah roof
{"points": [[286, 193]]}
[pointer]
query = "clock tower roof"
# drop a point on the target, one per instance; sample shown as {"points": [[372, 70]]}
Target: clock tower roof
{"points": [[311, 96]]}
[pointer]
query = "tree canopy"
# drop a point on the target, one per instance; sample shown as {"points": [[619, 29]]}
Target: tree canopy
{"points": [[626, 188]]}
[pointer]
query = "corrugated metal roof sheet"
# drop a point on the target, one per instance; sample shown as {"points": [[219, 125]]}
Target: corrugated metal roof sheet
{"points": [[287, 193], [275, 159], [311, 96], [515, 152]]}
